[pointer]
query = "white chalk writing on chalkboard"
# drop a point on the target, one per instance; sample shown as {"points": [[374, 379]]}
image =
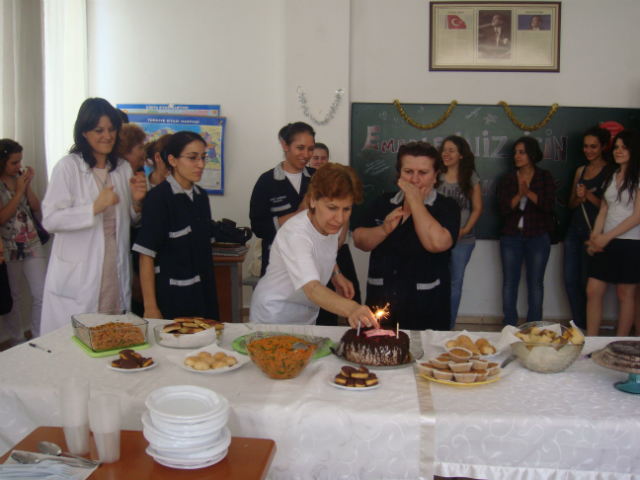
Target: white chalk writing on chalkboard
{"points": [[376, 167]]}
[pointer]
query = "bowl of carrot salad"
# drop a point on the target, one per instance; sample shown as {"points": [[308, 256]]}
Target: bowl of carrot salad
{"points": [[280, 356]]}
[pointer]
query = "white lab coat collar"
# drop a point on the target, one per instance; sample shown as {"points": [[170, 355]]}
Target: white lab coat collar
{"points": [[399, 198], [84, 166]]}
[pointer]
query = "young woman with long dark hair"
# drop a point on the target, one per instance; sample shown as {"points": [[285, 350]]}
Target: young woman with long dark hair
{"points": [[585, 203], [460, 181], [615, 241]]}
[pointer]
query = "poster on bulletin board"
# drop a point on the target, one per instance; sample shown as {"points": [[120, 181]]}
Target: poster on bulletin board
{"points": [[170, 109], [211, 129]]}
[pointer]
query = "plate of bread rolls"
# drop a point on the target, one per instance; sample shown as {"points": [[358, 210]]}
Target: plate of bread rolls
{"points": [[478, 346]]}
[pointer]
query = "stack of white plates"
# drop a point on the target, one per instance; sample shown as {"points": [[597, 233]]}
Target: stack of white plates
{"points": [[186, 426]]}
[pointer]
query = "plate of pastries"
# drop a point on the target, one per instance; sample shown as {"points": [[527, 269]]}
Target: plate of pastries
{"points": [[211, 360], [481, 346], [459, 368]]}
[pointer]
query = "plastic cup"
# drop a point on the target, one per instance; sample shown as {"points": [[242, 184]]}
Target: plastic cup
{"points": [[104, 418], [73, 394]]}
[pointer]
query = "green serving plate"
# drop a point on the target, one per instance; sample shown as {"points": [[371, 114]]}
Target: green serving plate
{"points": [[106, 353], [239, 346]]}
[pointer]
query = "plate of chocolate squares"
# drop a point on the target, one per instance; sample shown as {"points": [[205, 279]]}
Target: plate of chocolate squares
{"points": [[351, 378], [129, 361]]}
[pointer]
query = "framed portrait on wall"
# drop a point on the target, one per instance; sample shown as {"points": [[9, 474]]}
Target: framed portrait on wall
{"points": [[495, 36]]}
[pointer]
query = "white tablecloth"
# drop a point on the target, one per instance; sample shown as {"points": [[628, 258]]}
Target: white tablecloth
{"points": [[526, 426], [529, 426], [320, 431]]}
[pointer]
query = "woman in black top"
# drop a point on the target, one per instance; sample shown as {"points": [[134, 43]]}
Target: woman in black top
{"points": [[585, 203], [278, 194], [410, 235]]}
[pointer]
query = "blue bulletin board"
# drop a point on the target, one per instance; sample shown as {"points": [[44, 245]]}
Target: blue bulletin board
{"points": [[211, 129]]}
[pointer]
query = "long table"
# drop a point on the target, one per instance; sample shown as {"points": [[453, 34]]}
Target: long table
{"points": [[525, 426]]}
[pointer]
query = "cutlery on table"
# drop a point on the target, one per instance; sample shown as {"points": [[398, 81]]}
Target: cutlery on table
{"points": [[508, 361], [32, 458], [32, 471], [50, 448]]}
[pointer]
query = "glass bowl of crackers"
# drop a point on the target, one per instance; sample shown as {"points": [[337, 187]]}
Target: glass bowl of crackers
{"points": [[188, 332], [547, 347]]}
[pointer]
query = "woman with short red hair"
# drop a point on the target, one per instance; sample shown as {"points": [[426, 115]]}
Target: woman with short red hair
{"points": [[303, 257], [131, 146]]}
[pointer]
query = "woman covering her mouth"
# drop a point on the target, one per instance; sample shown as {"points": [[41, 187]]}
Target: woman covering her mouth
{"points": [[410, 234]]}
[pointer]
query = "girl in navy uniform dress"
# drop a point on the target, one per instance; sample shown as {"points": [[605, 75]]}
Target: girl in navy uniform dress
{"points": [[278, 194], [174, 242]]}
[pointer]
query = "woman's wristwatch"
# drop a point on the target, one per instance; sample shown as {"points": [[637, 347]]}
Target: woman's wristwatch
{"points": [[137, 204], [336, 272]]}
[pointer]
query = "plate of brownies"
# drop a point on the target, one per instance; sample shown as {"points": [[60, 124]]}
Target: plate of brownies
{"points": [[351, 378]]}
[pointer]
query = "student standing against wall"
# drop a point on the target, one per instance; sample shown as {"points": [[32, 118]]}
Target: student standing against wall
{"points": [[585, 203], [460, 182], [615, 241], [526, 198]]}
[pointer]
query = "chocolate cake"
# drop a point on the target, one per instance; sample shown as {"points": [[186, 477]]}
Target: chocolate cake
{"points": [[375, 347], [622, 355]]}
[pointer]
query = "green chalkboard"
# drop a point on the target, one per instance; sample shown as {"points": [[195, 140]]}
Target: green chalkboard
{"points": [[377, 131]]}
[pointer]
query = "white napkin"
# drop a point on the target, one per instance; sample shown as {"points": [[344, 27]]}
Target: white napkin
{"points": [[508, 335], [34, 470], [193, 340]]}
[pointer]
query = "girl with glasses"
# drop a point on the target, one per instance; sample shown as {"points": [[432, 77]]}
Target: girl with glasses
{"points": [[174, 242]]}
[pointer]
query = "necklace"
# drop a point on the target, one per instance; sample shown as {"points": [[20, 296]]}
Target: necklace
{"points": [[11, 186]]}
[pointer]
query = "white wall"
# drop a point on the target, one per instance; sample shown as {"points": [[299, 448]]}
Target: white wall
{"points": [[250, 55]]}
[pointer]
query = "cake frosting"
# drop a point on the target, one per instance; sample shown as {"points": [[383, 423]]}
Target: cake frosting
{"points": [[375, 347]]}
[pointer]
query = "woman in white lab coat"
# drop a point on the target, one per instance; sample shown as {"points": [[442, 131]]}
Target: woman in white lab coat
{"points": [[92, 198]]}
